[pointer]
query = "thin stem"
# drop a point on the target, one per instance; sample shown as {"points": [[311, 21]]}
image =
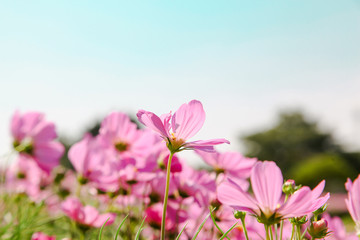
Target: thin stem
{"points": [[298, 227], [292, 232], [267, 232], [276, 232], [271, 233], [166, 196], [303, 234], [244, 227], [281, 228]]}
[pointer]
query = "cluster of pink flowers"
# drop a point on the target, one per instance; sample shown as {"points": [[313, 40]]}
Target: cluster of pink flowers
{"points": [[123, 171]]}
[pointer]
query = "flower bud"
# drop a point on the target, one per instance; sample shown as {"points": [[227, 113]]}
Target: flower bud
{"points": [[318, 229], [239, 214], [289, 187]]}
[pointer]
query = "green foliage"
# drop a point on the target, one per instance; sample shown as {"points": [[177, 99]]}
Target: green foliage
{"points": [[331, 167], [292, 141]]}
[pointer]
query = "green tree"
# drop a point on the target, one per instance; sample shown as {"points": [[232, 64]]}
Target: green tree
{"points": [[293, 144]]}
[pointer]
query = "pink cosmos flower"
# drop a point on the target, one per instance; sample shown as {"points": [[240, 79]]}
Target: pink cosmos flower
{"points": [[34, 136], [185, 123], [121, 135], [85, 215], [353, 200], [42, 236], [25, 176], [268, 204]]}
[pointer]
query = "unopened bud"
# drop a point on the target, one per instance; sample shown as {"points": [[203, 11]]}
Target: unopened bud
{"points": [[239, 214], [289, 187], [318, 229]]}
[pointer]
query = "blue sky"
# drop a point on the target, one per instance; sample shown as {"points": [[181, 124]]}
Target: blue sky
{"points": [[245, 60]]}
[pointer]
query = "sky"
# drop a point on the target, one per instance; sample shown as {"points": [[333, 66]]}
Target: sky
{"points": [[77, 61]]}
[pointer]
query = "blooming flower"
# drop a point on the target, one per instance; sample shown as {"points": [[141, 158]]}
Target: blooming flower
{"points": [[185, 123], [353, 201], [25, 176], [268, 204], [33, 136], [120, 134], [85, 215]]}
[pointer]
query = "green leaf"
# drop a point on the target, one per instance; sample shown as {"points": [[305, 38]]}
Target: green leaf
{"points": [[101, 229], [178, 236], [202, 225], [140, 229], [122, 223], [214, 221], [227, 232]]}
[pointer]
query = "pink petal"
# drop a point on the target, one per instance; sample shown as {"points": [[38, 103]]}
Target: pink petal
{"points": [[117, 126], [153, 122], [91, 214], [79, 154], [353, 201], [316, 192], [165, 118], [298, 204], [48, 154], [319, 202], [101, 219], [71, 207], [229, 193], [29, 122], [188, 120], [210, 158], [266, 182], [43, 132], [16, 122], [205, 145], [348, 185]]}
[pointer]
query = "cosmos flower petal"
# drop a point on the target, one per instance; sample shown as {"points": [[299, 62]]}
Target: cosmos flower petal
{"points": [[231, 194], [188, 120], [266, 181], [205, 145], [153, 122]]}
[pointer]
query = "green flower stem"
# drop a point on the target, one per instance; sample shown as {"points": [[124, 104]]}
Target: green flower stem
{"points": [[244, 227], [166, 196], [267, 232], [271, 233], [292, 232], [298, 227]]}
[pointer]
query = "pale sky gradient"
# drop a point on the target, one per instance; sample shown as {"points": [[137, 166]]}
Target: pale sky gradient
{"points": [[79, 60]]}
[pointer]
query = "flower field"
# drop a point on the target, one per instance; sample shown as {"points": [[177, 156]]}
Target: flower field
{"points": [[130, 183]]}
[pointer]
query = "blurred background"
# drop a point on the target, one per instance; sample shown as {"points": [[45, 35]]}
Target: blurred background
{"points": [[279, 79]]}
